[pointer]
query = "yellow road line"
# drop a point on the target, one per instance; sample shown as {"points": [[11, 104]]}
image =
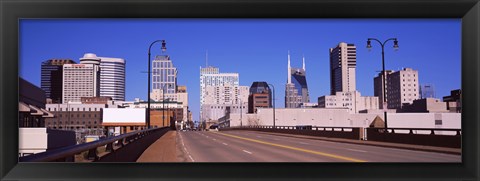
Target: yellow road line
{"points": [[294, 148]]}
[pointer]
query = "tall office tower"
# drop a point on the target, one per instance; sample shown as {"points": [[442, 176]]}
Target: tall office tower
{"points": [[51, 78], [260, 96], [164, 78], [296, 89], [343, 62], [112, 78], [210, 77], [427, 91], [402, 87], [378, 87], [81, 80]]}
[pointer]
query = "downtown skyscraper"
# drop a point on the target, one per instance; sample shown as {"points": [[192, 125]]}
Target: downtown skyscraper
{"points": [[402, 87], [52, 78], [81, 80], [219, 91], [343, 63], [112, 78], [296, 89], [164, 78]]}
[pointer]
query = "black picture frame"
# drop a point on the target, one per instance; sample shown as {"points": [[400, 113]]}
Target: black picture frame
{"points": [[11, 11]]}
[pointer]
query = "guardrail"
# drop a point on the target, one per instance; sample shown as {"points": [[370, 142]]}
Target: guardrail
{"points": [[417, 136], [355, 133], [113, 144]]}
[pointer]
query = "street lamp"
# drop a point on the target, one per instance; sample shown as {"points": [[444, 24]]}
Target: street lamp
{"points": [[164, 48], [395, 46], [273, 105]]}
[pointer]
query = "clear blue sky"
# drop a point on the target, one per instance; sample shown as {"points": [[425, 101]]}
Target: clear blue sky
{"points": [[254, 48]]}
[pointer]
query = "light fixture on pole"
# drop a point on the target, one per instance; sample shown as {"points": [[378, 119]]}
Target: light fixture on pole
{"points": [[395, 46], [164, 48]]}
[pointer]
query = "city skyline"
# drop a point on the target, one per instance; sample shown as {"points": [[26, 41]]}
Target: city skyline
{"points": [[236, 45]]}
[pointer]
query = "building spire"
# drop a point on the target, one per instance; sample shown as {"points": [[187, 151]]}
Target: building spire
{"points": [[304, 63], [289, 80]]}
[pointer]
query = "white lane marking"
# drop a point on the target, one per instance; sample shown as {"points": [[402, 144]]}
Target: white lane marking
{"points": [[259, 136], [303, 143], [363, 151], [224, 144], [214, 139], [247, 152], [185, 148]]}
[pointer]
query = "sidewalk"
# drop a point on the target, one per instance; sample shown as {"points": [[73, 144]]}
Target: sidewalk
{"points": [[456, 151], [162, 150]]}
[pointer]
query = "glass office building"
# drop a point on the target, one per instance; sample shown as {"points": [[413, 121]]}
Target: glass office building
{"points": [[164, 75]]}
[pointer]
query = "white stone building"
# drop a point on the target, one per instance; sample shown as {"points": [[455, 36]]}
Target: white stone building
{"points": [[343, 63], [80, 80], [402, 87], [112, 78], [353, 101], [211, 77]]}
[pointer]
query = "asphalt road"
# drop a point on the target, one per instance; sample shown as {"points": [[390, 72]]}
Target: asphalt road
{"points": [[251, 146]]}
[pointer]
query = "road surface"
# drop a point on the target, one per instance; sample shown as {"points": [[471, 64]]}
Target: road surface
{"points": [[251, 146]]}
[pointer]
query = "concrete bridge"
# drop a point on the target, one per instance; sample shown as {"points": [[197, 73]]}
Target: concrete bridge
{"points": [[267, 144]]}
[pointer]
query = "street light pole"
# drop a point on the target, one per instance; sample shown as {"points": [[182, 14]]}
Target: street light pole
{"points": [[395, 46], [241, 112], [163, 105], [273, 105], [149, 76]]}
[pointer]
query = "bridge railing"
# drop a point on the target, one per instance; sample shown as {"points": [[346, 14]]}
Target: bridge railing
{"points": [[332, 132], [112, 144], [417, 136]]}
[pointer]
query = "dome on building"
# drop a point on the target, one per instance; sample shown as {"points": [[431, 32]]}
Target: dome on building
{"points": [[90, 56]]}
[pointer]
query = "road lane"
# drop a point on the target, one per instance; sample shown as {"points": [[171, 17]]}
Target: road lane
{"points": [[367, 152], [265, 153], [201, 149], [200, 144], [251, 146]]}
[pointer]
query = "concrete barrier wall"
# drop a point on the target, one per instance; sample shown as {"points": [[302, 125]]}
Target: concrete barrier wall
{"points": [[343, 118], [132, 151], [451, 141], [350, 133]]}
